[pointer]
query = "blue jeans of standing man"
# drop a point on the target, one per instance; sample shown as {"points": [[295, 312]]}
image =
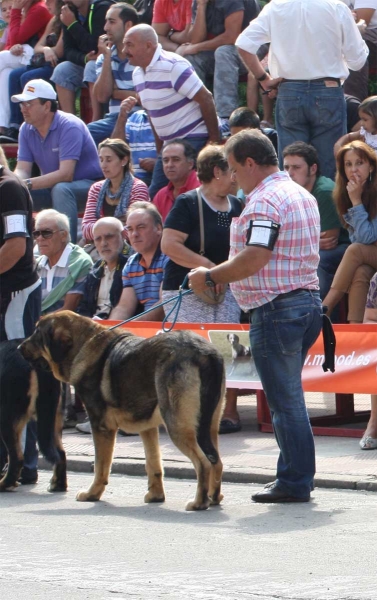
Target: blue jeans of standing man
{"points": [[67, 198], [281, 334], [310, 112]]}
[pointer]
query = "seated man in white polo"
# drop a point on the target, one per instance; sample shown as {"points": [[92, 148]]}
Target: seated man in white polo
{"points": [[63, 149]]}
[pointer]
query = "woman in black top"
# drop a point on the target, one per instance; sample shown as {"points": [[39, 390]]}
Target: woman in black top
{"points": [[181, 237]]}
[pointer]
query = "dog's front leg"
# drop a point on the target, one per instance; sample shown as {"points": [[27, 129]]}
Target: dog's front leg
{"points": [[153, 466], [104, 440]]}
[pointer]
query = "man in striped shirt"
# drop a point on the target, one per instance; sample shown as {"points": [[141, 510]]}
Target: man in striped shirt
{"points": [[114, 72], [273, 266], [142, 275], [178, 103]]}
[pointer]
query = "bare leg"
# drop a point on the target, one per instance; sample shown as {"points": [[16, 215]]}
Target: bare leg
{"points": [[66, 99], [153, 466], [268, 111], [230, 410], [371, 429], [96, 106], [104, 441]]}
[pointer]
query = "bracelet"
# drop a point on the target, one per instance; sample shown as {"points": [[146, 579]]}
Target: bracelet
{"points": [[262, 77], [170, 33], [29, 184]]}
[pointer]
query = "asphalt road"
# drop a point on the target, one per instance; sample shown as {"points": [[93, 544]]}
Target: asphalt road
{"points": [[52, 547]]}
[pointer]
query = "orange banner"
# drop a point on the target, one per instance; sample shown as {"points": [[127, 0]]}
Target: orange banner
{"points": [[355, 357]]}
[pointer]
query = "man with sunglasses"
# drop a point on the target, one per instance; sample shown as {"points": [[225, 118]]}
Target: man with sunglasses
{"points": [[20, 286], [63, 149]]}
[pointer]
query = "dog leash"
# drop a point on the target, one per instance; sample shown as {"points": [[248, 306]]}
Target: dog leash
{"points": [[175, 308]]}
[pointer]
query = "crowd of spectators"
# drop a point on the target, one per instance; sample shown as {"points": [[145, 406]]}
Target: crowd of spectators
{"points": [[156, 133]]}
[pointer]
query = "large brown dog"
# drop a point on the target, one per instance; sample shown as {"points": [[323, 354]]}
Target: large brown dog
{"points": [[137, 384]]}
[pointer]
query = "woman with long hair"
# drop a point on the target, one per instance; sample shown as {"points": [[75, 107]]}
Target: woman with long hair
{"points": [[113, 196], [355, 195]]}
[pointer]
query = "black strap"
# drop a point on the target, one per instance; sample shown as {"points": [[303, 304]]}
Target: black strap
{"points": [[329, 342]]}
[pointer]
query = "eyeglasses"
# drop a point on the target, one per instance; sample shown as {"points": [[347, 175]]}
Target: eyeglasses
{"points": [[45, 233]]}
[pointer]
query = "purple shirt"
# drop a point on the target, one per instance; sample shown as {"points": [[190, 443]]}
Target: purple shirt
{"points": [[67, 139]]}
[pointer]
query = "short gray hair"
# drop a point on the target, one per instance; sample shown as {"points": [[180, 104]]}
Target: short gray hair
{"points": [[113, 221], [61, 220]]}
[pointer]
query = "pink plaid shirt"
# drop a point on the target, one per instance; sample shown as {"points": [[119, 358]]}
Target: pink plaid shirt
{"points": [[295, 258]]}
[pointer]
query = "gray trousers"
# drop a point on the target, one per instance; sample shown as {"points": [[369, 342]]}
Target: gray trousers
{"points": [[225, 65]]}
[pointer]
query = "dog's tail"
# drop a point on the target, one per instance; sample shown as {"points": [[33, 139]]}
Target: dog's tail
{"points": [[212, 376]]}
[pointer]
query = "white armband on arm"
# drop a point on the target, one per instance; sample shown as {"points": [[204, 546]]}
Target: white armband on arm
{"points": [[262, 233]]}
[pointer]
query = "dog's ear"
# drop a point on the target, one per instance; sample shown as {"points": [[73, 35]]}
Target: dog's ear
{"points": [[58, 341], [228, 336]]}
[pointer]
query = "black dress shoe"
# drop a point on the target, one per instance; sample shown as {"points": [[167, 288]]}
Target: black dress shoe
{"points": [[274, 494]]}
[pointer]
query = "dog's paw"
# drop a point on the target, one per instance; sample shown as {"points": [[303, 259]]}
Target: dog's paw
{"points": [[8, 487], [197, 505], [86, 497], [152, 497], [56, 486], [216, 499]]}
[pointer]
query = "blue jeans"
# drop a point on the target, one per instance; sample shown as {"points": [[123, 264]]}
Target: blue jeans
{"points": [[18, 78], [66, 197], [310, 112], [281, 334], [102, 129], [159, 179]]}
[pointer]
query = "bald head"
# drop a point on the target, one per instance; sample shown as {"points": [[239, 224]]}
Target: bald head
{"points": [[140, 44], [109, 222]]}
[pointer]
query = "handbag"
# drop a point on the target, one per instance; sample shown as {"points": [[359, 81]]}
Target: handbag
{"points": [[209, 295]]}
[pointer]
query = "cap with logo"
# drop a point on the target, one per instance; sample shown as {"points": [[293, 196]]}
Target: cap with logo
{"points": [[36, 88]]}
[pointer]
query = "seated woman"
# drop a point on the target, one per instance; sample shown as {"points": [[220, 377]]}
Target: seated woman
{"points": [[47, 53], [181, 241], [113, 196], [62, 266], [27, 22], [369, 439], [355, 196]]}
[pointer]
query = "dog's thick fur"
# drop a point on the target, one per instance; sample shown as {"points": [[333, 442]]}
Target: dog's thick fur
{"points": [[136, 384], [29, 392]]}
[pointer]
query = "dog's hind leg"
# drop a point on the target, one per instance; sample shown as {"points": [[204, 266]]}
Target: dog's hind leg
{"points": [[217, 467], [153, 466], [104, 440]]}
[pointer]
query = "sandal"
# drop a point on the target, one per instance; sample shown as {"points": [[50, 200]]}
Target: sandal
{"points": [[227, 426], [368, 443]]}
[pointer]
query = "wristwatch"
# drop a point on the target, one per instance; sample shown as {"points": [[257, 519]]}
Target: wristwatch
{"points": [[28, 184], [209, 281]]}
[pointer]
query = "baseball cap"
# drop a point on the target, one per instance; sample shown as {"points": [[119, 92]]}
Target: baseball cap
{"points": [[36, 88]]}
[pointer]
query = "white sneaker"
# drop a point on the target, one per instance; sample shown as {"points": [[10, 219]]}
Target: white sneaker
{"points": [[84, 427], [368, 443]]}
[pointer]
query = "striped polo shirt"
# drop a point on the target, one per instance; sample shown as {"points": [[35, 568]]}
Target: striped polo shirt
{"points": [[166, 89], [140, 138], [294, 259], [146, 281], [122, 74]]}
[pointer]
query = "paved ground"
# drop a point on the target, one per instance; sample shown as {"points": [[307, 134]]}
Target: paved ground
{"points": [[248, 456]]}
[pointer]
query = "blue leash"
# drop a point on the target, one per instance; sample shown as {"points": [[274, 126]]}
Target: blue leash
{"points": [[176, 307]]}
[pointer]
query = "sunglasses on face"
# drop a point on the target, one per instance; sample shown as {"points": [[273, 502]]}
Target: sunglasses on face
{"points": [[45, 233]]}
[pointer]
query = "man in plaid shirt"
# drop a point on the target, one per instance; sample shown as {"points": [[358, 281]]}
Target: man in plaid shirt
{"points": [[273, 270]]}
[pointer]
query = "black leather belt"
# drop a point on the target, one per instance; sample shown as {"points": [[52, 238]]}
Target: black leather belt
{"points": [[292, 293], [321, 80]]}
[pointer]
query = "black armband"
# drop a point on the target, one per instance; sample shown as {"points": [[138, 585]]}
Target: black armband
{"points": [[262, 233]]}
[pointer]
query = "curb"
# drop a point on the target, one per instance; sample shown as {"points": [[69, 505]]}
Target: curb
{"points": [[230, 475]]}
